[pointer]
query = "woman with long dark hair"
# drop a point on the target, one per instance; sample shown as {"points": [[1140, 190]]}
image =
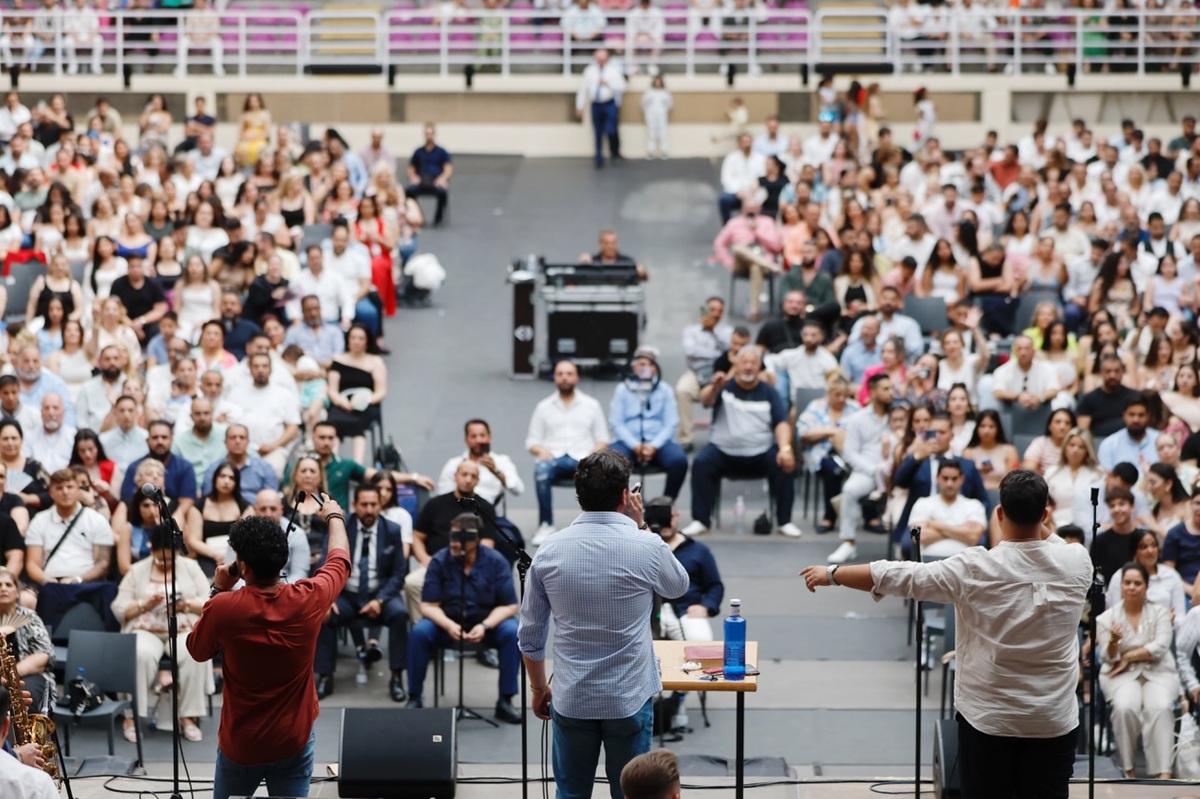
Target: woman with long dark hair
{"points": [[357, 387], [1045, 451], [1115, 291], [88, 452], [990, 450], [991, 282], [210, 519]]}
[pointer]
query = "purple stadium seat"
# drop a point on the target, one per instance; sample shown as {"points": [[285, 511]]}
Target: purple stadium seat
{"points": [[551, 40], [706, 40]]}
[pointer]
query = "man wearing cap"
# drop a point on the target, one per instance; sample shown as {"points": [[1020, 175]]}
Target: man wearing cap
{"points": [[482, 615], [749, 244], [643, 417]]}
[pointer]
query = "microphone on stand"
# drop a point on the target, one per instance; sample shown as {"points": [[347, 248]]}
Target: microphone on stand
{"points": [[296, 502], [155, 493]]}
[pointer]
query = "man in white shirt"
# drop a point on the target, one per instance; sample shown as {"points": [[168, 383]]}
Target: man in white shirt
{"points": [[202, 31], [205, 157], [703, 343], [949, 521], [862, 451], [498, 474], [52, 442], [584, 22], [81, 31], [126, 442], [740, 171], [647, 30], [565, 428], [818, 148], [272, 415], [240, 376], [83, 556], [1018, 670], [600, 90], [916, 243], [12, 115], [1081, 276], [1023, 380], [772, 142], [18, 780], [942, 214], [337, 300], [98, 394], [1168, 199], [1069, 241], [351, 262], [806, 366]]}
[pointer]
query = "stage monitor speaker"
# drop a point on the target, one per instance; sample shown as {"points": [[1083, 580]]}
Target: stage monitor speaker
{"points": [[603, 336], [946, 782], [398, 754]]}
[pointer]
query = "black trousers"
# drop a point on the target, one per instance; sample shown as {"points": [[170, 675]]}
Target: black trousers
{"points": [[993, 767]]}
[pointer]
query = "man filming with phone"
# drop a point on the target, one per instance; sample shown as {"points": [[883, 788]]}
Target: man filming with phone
{"points": [[267, 719]]}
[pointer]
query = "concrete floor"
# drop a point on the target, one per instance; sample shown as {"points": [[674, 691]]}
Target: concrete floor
{"points": [[836, 697]]}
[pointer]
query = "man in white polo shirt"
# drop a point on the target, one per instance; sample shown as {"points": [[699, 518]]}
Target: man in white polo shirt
{"points": [[949, 521]]}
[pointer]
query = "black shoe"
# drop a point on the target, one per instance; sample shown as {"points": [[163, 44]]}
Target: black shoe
{"points": [[324, 685], [414, 702], [506, 712], [371, 654], [489, 658], [396, 689]]}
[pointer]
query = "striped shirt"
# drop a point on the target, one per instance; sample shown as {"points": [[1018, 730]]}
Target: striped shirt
{"points": [[598, 578]]}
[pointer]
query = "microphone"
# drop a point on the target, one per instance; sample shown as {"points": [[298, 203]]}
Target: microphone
{"points": [[152, 491], [1095, 495], [155, 493]]}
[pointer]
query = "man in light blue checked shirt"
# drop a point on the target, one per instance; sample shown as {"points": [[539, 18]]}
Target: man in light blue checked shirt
{"points": [[598, 579]]}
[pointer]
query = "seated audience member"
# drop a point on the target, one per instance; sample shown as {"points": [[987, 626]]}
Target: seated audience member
{"points": [[777, 335], [1102, 410], [180, 477], [485, 616], [269, 505], [821, 428], [749, 246], [1134, 442], [25, 476], [892, 323], [68, 550], [1181, 549], [1024, 380], [993, 456], [203, 443], [12, 406], [751, 436], [1075, 475], [272, 416], [687, 617], [254, 474], [498, 475], [208, 521], [238, 330], [36, 382], [12, 541], [654, 775], [372, 595], [862, 451], [1166, 586], [703, 343], [321, 339], [918, 472], [949, 521], [359, 369], [391, 509], [29, 642], [1045, 451], [98, 394], [429, 171], [51, 443], [131, 520], [1138, 676], [1123, 475], [862, 353], [432, 531], [339, 472], [126, 441], [141, 609], [1116, 543], [644, 419], [804, 366], [88, 453], [564, 428]]}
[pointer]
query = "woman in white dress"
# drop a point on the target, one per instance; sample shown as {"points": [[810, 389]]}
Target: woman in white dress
{"points": [[71, 363], [1077, 471], [962, 418], [112, 328], [196, 298], [76, 243], [107, 266], [203, 237]]}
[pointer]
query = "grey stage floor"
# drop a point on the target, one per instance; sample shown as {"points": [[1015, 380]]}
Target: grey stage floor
{"points": [[836, 697]]}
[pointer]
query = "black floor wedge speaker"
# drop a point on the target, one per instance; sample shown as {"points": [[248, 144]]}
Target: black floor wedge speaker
{"points": [[398, 754]]}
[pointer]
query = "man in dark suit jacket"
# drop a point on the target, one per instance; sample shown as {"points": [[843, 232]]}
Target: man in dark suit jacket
{"points": [[373, 595], [918, 473]]}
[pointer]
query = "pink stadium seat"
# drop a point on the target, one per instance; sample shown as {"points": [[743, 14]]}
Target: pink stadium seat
{"points": [[551, 40], [706, 40]]}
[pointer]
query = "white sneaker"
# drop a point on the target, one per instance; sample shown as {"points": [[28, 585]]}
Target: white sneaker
{"points": [[544, 531], [694, 529], [845, 551], [790, 530], [680, 720]]}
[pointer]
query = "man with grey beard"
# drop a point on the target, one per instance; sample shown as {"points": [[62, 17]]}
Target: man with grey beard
{"points": [[37, 382], [51, 442]]}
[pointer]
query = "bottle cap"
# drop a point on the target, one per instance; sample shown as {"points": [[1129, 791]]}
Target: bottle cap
{"points": [[735, 603]]}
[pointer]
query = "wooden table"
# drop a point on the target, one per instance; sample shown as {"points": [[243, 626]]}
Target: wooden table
{"points": [[670, 656]]}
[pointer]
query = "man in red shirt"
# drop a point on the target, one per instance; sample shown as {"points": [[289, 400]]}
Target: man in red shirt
{"points": [[268, 633]]}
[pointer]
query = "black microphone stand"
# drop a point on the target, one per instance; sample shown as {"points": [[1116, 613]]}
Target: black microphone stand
{"points": [[462, 711], [915, 532], [524, 561], [643, 406], [1096, 597], [177, 545]]}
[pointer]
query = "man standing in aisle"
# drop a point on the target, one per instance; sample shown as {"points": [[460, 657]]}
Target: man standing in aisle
{"points": [[605, 673], [601, 90], [1017, 671], [862, 451]]}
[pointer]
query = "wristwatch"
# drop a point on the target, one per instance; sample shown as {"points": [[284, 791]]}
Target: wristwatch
{"points": [[831, 573]]}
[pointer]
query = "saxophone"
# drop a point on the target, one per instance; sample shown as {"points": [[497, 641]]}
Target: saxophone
{"points": [[30, 728]]}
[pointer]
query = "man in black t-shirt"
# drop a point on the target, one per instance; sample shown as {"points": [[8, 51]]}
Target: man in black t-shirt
{"points": [[144, 300], [12, 545], [778, 335], [431, 534], [1102, 410], [1117, 545]]}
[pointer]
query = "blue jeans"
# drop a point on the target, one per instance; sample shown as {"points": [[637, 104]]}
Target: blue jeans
{"points": [[544, 475], [711, 464], [289, 777], [671, 459], [426, 637], [604, 125], [727, 204], [366, 313], [577, 750]]}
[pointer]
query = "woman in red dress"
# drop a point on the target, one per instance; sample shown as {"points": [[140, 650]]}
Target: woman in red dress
{"points": [[370, 229]]}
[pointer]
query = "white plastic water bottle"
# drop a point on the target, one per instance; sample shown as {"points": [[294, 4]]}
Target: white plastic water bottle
{"points": [[739, 515]]}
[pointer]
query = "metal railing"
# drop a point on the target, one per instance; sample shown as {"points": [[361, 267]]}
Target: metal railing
{"points": [[415, 39]]}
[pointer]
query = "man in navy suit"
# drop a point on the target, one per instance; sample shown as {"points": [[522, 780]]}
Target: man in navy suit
{"points": [[918, 473], [373, 594]]}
